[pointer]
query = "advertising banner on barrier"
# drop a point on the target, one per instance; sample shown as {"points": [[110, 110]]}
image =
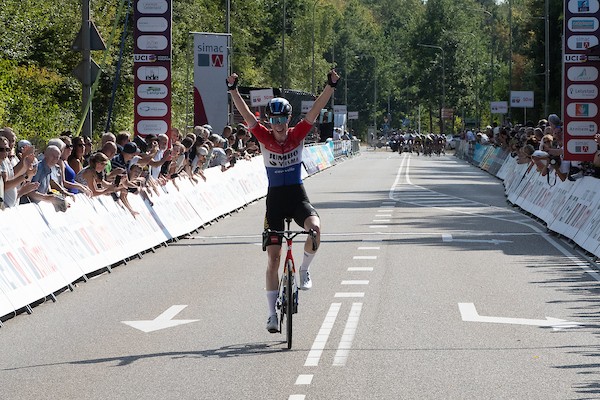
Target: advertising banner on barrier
{"points": [[152, 66], [581, 61], [211, 68]]}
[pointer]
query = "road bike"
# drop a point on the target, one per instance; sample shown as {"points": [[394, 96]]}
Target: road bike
{"points": [[287, 298]]}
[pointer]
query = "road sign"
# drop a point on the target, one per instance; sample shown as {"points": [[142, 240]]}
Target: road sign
{"points": [[499, 107], [352, 114], [521, 99]]}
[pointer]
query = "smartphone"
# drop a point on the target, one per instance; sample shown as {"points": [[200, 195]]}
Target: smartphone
{"points": [[118, 180]]}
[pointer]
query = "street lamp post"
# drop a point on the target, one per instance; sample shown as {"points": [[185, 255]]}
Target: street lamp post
{"points": [[313, 46], [477, 90], [374, 89], [443, 80]]}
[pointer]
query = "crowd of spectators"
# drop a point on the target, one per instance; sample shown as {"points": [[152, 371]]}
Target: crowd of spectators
{"points": [[539, 145], [116, 166]]}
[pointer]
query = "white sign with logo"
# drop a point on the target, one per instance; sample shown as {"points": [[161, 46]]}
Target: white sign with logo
{"points": [[306, 105], [521, 99], [499, 107], [352, 114], [210, 72], [340, 109], [260, 97]]}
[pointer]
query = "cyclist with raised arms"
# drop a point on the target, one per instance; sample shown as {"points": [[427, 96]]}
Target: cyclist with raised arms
{"points": [[281, 147]]}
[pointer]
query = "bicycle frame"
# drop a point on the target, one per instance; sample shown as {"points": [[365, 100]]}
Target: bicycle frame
{"points": [[287, 299]]}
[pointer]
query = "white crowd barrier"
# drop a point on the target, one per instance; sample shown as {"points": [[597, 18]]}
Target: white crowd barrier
{"points": [[43, 251], [570, 208]]}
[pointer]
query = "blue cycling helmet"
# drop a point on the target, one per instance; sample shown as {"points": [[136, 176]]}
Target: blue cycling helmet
{"points": [[278, 106]]}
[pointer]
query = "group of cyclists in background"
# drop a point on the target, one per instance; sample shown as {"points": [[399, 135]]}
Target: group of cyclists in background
{"points": [[411, 142]]}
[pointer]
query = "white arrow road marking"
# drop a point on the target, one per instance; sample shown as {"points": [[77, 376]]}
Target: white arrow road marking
{"points": [[469, 313], [446, 237], [164, 320]]}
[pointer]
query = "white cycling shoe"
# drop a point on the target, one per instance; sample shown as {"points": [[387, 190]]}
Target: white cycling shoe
{"points": [[305, 281], [273, 324]]}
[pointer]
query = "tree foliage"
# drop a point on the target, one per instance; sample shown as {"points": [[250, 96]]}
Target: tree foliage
{"points": [[374, 44]]}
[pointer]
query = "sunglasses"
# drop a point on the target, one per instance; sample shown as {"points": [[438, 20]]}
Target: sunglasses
{"points": [[4, 148], [278, 120]]}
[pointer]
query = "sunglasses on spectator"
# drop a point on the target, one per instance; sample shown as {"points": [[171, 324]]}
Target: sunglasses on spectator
{"points": [[4, 148], [70, 146], [278, 120]]}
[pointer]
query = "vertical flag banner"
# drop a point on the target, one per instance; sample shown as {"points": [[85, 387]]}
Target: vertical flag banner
{"points": [[580, 78], [152, 66], [211, 68]]}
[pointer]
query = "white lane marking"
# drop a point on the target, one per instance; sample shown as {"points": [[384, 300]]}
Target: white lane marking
{"points": [[584, 266], [469, 313], [369, 248], [349, 294], [364, 258], [341, 355], [446, 237], [385, 211], [355, 282], [304, 379], [297, 397], [360, 269], [381, 220], [377, 226], [383, 215], [163, 321], [314, 355]]}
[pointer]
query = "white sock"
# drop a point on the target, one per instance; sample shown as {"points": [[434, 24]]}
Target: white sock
{"points": [[308, 257], [271, 300]]}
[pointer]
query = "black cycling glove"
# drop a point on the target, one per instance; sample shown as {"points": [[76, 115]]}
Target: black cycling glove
{"points": [[232, 86], [330, 82]]}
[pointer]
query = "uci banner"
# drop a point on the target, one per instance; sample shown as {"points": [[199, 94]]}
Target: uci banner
{"points": [[152, 67], [211, 68]]}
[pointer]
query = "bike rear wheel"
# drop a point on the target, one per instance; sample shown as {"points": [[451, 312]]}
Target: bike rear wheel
{"points": [[289, 300]]}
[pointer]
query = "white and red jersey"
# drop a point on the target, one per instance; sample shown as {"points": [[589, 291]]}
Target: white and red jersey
{"points": [[283, 161]]}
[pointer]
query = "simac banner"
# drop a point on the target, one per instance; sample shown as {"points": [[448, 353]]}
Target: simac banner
{"points": [[152, 67], [211, 68]]}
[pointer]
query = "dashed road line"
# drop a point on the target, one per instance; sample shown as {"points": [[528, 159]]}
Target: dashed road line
{"points": [[297, 397], [341, 355], [314, 355], [377, 226], [355, 282], [360, 269], [304, 379], [349, 294], [364, 258], [369, 248]]}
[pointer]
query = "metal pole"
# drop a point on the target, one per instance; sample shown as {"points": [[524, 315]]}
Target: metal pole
{"points": [[283, 50], [375, 96], [313, 46], [510, 54], [546, 58], [228, 16], [86, 93], [443, 81]]}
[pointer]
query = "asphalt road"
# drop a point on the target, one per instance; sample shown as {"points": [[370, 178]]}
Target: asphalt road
{"points": [[427, 286]]}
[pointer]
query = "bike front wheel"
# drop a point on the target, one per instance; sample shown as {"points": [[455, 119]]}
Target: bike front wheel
{"points": [[289, 306]]}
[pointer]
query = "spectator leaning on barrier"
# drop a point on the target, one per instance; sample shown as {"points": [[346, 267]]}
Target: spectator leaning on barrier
{"points": [[76, 159], [94, 175], [67, 175], [46, 168], [14, 186], [219, 158]]}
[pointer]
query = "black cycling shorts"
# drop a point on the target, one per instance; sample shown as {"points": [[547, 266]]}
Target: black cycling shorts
{"points": [[287, 202]]}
